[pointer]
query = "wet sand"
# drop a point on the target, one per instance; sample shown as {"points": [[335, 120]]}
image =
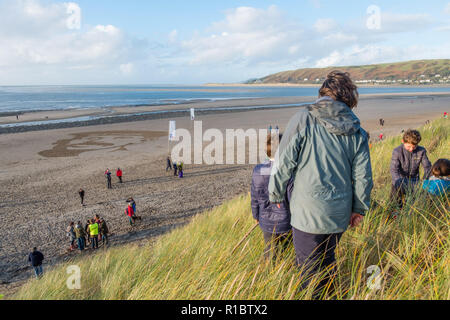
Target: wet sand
{"points": [[41, 173]]}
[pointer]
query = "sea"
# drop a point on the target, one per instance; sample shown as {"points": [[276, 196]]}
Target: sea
{"points": [[45, 98]]}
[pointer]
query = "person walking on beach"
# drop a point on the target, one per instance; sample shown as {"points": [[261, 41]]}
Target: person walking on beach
{"points": [[119, 174], [381, 136], [175, 169], [275, 223], [130, 213], [108, 178], [36, 258], [81, 193], [80, 236], [93, 231], [405, 164], [445, 115], [326, 152], [169, 164]]}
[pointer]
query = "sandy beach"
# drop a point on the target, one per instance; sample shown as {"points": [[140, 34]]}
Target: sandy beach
{"points": [[42, 171]]}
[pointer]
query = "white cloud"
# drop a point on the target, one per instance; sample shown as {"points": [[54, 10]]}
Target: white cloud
{"points": [[395, 22], [127, 69], [447, 8], [371, 54], [44, 34], [247, 35], [325, 25], [173, 36]]}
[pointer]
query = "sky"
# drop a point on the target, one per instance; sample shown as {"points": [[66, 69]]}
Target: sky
{"points": [[195, 42]]}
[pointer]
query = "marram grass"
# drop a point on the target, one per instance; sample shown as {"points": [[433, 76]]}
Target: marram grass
{"points": [[218, 256]]}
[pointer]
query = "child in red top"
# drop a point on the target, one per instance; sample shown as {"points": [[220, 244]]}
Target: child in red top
{"points": [[119, 174]]}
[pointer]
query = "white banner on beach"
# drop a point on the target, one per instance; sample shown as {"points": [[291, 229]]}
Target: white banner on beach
{"points": [[172, 130], [192, 114]]}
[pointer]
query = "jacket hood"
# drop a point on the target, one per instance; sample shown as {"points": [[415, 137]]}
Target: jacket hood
{"points": [[335, 116]]}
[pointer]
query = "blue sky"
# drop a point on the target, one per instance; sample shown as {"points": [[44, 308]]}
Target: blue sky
{"points": [[194, 42]]}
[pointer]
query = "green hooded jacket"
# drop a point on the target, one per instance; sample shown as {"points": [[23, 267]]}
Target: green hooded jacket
{"points": [[327, 152]]}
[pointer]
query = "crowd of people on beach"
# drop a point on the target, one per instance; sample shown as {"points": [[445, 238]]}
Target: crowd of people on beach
{"points": [[94, 231], [314, 216]]}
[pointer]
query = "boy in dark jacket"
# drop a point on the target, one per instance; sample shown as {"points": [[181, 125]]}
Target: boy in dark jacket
{"points": [[405, 164], [274, 220], [36, 258], [104, 231]]}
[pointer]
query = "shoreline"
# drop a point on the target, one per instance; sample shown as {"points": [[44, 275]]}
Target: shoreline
{"points": [[313, 85], [57, 119]]}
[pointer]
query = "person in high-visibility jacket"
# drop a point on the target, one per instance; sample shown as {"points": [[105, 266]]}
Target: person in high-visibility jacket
{"points": [[93, 231]]}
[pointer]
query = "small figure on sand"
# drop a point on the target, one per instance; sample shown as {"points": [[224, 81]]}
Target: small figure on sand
{"points": [[108, 178], [93, 232], [17, 116], [130, 211], [119, 174], [81, 193], [175, 169], [71, 235], [36, 258], [382, 122], [80, 234], [381, 136], [104, 231], [180, 170], [445, 115], [169, 164], [87, 231]]}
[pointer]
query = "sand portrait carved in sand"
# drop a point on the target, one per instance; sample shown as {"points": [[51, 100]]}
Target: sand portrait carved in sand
{"points": [[95, 141]]}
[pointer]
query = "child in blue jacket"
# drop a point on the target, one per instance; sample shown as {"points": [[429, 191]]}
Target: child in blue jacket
{"points": [[274, 221], [439, 183]]}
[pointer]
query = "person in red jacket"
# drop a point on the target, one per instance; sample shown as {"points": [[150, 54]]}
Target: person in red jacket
{"points": [[130, 213], [119, 174]]}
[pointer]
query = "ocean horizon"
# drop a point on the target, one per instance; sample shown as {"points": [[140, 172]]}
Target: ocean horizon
{"points": [[61, 97]]}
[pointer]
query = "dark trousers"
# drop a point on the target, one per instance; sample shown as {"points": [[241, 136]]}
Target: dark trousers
{"points": [[81, 244], [94, 240], [120, 179], [82, 199], [109, 184], [276, 243], [314, 253], [105, 238]]}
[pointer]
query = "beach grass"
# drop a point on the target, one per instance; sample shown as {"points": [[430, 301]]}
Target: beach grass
{"points": [[218, 255]]}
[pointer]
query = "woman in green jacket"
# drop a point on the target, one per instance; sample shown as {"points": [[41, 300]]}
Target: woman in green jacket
{"points": [[326, 152]]}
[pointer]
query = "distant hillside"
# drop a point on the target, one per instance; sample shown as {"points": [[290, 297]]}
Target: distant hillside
{"points": [[410, 72]]}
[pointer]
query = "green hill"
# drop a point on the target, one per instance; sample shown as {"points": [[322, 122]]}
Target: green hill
{"points": [[219, 254], [410, 72]]}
